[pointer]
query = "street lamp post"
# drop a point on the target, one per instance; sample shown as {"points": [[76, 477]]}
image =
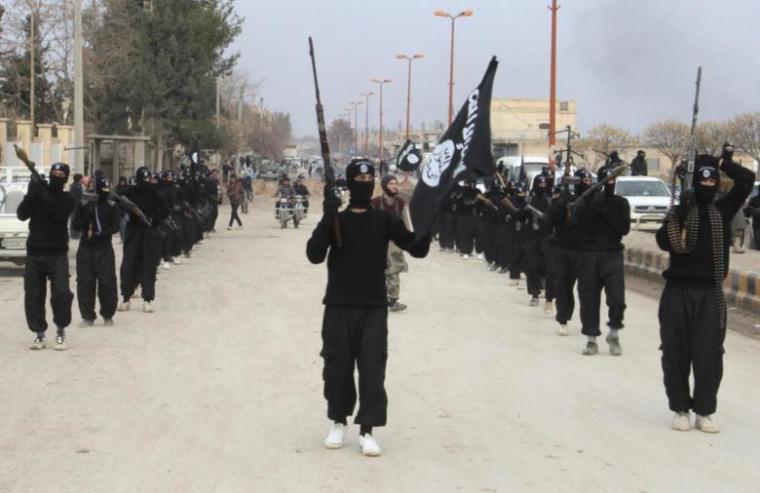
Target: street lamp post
{"points": [[441, 13], [409, 85], [366, 120], [355, 106], [381, 83]]}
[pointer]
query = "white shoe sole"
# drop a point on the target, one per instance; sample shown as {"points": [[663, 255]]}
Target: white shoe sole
{"points": [[333, 445]]}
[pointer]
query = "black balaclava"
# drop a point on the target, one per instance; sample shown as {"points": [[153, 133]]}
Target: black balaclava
{"points": [[520, 195], [705, 167], [57, 182], [103, 187], [360, 192], [143, 177], [541, 186], [603, 176], [581, 187], [384, 185], [728, 151], [615, 158]]}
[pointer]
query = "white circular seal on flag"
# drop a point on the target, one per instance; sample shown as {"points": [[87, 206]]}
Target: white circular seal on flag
{"points": [[412, 158], [439, 162], [363, 168], [706, 173]]}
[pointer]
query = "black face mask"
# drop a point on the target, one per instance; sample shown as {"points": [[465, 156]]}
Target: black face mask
{"points": [[361, 193], [57, 183], [581, 187], [705, 195]]}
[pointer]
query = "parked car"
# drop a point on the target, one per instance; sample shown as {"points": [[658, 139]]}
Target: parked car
{"points": [[13, 232], [649, 197]]}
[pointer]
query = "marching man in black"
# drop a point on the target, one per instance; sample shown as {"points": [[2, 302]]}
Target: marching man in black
{"points": [[96, 264], [355, 325], [605, 221], [141, 251], [692, 313], [47, 207]]}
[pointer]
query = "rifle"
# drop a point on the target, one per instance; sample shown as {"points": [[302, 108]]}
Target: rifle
{"points": [[692, 153], [131, 207], [592, 189], [324, 146], [535, 211], [487, 201]]}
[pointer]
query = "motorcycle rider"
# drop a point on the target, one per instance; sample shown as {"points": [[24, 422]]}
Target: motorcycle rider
{"points": [[300, 189]]}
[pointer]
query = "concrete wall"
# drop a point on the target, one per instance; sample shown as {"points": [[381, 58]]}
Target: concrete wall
{"points": [[44, 150]]}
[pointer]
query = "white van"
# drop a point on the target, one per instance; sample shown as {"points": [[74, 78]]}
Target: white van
{"points": [[533, 166], [13, 232]]}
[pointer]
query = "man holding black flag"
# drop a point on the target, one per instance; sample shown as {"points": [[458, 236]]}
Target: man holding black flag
{"points": [[355, 325]]}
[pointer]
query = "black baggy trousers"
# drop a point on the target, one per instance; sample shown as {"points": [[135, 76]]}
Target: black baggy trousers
{"points": [[565, 263], [601, 270], [355, 336], [691, 336], [96, 273], [538, 266], [37, 271], [138, 266], [466, 230]]}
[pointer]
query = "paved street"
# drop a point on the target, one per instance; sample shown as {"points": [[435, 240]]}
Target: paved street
{"points": [[220, 389]]}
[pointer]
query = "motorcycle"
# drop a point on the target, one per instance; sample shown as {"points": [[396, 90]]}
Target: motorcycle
{"points": [[285, 212], [299, 211]]}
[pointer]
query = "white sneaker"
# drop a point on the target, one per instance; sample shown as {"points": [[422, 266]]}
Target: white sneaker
{"points": [[176, 261], [549, 307], [706, 424], [562, 331], [123, 306], [86, 323], [60, 343], [369, 446], [147, 308], [38, 344], [480, 256], [465, 256], [681, 422], [336, 436], [165, 265]]}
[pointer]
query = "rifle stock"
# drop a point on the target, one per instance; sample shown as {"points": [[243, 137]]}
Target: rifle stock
{"points": [[24, 158]]}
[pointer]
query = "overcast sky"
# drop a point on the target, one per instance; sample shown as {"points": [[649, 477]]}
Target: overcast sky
{"points": [[626, 62]]}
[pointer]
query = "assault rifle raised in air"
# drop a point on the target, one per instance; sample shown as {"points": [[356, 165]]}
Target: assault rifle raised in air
{"points": [[691, 154], [324, 145]]}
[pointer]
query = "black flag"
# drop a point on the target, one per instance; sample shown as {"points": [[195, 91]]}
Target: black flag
{"points": [[409, 157], [463, 151]]}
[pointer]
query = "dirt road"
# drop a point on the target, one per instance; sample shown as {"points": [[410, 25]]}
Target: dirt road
{"points": [[220, 390]]}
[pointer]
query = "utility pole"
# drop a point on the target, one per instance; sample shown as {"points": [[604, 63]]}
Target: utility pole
{"points": [[31, 69], [240, 103], [366, 121], [218, 101], [79, 140], [553, 77], [410, 59], [381, 83]]}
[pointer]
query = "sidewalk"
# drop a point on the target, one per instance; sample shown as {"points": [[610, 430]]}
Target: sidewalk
{"points": [[742, 286]]}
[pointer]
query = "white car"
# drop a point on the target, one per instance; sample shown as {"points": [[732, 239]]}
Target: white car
{"points": [[648, 197], [13, 232]]}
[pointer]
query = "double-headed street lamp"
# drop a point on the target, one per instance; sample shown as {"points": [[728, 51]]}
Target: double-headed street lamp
{"points": [[381, 83], [409, 84], [441, 13], [366, 120]]}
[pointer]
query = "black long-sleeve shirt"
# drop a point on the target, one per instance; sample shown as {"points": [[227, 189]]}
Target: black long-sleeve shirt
{"points": [[567, 231], [48, 214], [356, 270], [102, 227], [695, 269], [607, 220], [150, 202]]}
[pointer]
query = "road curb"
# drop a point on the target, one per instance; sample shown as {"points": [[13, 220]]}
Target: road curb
{"points": [[742, 288]]}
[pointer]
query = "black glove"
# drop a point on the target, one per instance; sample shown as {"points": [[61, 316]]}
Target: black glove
{"points": [[331, 202]]}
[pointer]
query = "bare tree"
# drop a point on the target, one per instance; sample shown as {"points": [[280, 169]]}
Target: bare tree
{"points": [[339, 135], [711, 135], [744, 130], [606, 138], [669, 137]]}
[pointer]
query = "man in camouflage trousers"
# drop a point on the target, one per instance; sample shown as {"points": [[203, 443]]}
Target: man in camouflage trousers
{"points": [[390, 202]]}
